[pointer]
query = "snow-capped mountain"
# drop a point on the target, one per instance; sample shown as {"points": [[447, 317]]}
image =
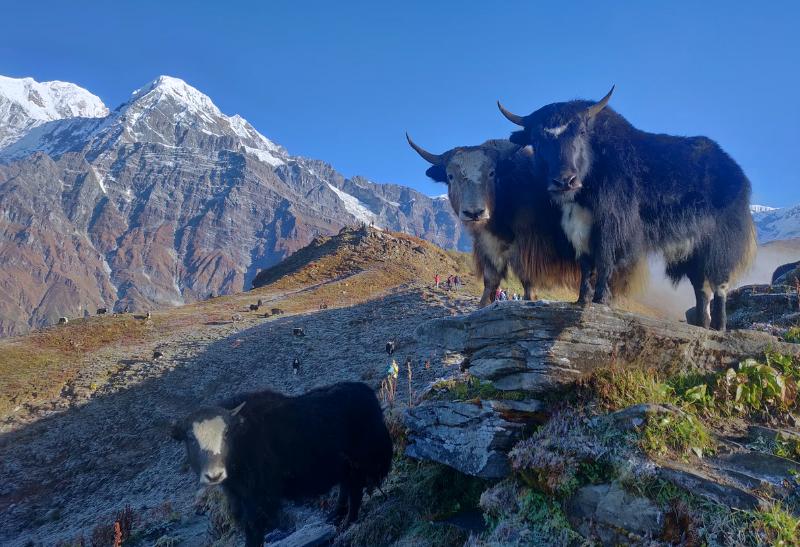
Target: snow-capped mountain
{"points": [[25, 103], [776, 224], [165, 200]]}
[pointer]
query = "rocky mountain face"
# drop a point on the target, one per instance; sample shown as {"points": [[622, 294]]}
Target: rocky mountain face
{"points": [[162, 201], [776, 224]]}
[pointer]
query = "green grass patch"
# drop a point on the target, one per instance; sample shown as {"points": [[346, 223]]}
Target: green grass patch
{"points": [[792, 335], [546, 519], [473, 389], [680, 433], [776, 526], [617, 388]]}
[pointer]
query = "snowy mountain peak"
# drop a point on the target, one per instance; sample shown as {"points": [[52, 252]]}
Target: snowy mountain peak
{"points": [[26, 103], [774, 224], [177, 90], [166, 112], [762, 208]]}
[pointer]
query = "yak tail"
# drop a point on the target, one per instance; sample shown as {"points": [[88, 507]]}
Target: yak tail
{"points": [[749, 254]]}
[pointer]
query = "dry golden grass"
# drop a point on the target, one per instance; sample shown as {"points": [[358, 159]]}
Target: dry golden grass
{"points": [[339, 271], [38, 365]]}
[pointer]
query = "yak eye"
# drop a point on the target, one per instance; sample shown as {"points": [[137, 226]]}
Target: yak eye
{"points": [[449, 177], [491, 173]]}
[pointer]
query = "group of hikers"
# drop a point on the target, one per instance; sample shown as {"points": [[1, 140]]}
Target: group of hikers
{"points": [[502, 294], [453, 282]]}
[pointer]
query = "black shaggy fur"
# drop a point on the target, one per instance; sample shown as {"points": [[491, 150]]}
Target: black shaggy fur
{"points": [[290, 448], [681, 196], [522, 232], [524, 225]]}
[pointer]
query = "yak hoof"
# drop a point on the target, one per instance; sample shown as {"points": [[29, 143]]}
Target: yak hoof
{"points": [[335, 517], [602, 300]]}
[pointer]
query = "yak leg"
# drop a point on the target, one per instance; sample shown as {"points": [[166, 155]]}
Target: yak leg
{"points": [[719, 315], [587, 269], [491, 280], [355, 496], [255, 526], [527, 287], [702, 308], [337, 515]]}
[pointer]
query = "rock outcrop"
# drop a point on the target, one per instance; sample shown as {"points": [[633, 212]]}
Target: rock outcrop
{"points": [[473, 437], [545, 346], [540, 349]]}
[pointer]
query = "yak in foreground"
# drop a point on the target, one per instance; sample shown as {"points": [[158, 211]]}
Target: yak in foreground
{"points": [[624, 192], [265, 447]]}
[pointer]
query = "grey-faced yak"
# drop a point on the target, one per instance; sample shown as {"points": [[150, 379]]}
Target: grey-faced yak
{"points": [[265, 447], [624, 192], [511, 218]]}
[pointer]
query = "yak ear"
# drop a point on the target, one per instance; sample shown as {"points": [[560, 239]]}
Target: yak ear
{"points": [[526, 151], [437, 173], [177, 432], [236, 410], [519, 137]]}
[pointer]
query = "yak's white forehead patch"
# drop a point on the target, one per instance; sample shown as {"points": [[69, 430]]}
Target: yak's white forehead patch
{"points": [[209, 434], [556, 131], [472, 165]]}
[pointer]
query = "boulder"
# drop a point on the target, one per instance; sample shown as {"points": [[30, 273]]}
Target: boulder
{"points": [[787, 274], [471, 437], [763, 304], [606, 512], [311, 535], [544, 346]]}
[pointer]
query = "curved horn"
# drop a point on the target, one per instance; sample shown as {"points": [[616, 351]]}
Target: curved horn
{"points": [[236, 410], [510, 116], [597, 107], [427, 156]]}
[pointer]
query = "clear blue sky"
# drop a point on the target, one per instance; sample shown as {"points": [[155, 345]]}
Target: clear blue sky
{"points": [[342, 81]]}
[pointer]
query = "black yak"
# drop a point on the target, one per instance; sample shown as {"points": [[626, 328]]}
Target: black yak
{"points": [[624, 192], [265, 447], [102, 311], [512, 221]]}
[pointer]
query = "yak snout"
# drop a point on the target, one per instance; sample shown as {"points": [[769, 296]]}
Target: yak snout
{"points": [[566, 182], [213, 477], [473, 215]]}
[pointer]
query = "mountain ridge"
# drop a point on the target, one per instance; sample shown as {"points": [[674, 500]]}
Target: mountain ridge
{"points": [[165, 200]]}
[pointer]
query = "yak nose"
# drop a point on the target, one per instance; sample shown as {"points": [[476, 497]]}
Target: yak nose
{"points": [[212, 478], [474, 215], [567, 181]]}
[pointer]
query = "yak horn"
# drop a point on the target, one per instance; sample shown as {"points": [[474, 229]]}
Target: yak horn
{"points": [[597, 107], [427, 156], [510, 116], [236, 410]]}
